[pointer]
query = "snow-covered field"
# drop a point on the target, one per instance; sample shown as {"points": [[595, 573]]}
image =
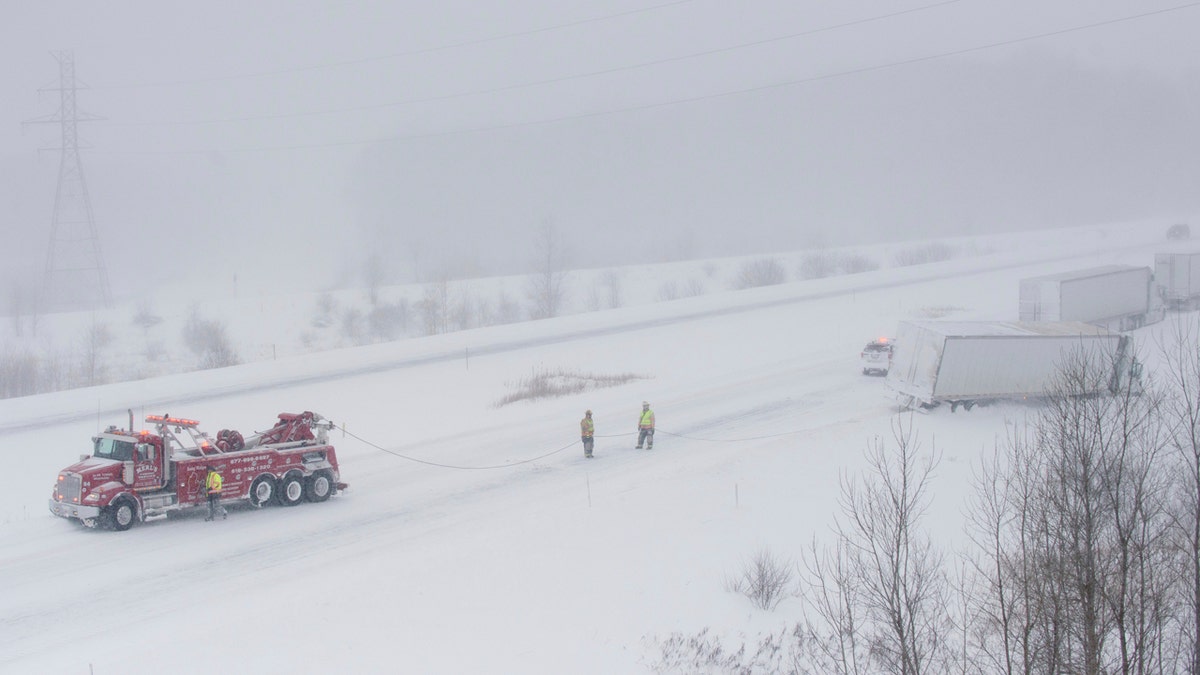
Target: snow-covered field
{"points": [[556, 565]]}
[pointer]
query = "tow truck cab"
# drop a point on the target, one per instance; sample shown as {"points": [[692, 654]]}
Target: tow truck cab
{"points": [[120, 462]]}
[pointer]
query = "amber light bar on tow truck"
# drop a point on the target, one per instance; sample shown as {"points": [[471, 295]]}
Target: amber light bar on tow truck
{"points": [[174, 421]]}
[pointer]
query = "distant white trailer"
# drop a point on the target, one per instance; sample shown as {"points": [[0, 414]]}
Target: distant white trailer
{"points": [[1177, 276], [1118, 297], [972, 363]]}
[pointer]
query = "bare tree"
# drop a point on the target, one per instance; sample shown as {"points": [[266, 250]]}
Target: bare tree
{"points": [[374, 274], [1071, 522], [611, 280], [96, 339], [1103, 506], [834, 607], [434, 307], [1181, 356], [548, 285], [884, 579]]}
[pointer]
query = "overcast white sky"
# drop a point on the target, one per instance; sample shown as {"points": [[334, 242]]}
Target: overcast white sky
{"points": [[236, 135]]}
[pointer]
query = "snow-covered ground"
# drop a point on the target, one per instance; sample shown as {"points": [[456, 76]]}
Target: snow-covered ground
{"points": [[561, 564]]}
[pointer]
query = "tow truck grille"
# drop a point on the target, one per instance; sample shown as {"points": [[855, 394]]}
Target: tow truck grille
{"points": [[69, 489]]}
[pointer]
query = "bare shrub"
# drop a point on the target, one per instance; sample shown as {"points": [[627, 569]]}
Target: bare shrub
{"points": [[764, 580], [611, 281], [551, 383], [145, 317], [921, 255], [508, 310], [468, 311], [693, 288], [592, 301], [208, 339], [761, 272], [780, 652], [434, 307], [19, 374], [353, 326], [668, 291], [327, 306], [817, 265], [221, 353], [388, 321], [857, 263], [710, 269]]}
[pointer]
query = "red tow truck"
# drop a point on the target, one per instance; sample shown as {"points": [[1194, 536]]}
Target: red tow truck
{"points": [[135, 475]]}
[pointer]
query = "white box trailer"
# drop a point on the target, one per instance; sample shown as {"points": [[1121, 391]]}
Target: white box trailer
{"points": [[1177, 276], [1119, 297], [965, 363]]}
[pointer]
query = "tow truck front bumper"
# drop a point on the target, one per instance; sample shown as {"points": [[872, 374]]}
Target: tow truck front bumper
{"points": [[84, 513]]}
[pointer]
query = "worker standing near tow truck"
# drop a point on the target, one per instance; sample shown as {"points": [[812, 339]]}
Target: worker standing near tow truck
{"points": [[212, 487]]}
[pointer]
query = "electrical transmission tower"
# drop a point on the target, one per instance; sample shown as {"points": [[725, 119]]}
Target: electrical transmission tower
{"points": [[75, 276]]}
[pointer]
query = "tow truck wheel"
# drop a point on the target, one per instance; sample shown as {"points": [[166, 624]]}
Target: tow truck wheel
{"points": [[291, 492], [262, 491], [122, 514], [320, 487]]}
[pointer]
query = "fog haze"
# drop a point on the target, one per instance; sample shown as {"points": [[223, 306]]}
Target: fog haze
{"points": [[287, 142]]}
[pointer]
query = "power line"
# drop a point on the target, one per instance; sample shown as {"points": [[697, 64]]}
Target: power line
{"points": [[555, 80], [692, 99], [397, 55]]}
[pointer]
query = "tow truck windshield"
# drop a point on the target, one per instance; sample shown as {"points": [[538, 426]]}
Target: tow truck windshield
{"points": [[111, 448]]}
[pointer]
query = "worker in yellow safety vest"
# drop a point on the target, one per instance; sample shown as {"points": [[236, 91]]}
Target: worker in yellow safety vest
{"points": [[587, 431], [646, 427], [212, 488]]}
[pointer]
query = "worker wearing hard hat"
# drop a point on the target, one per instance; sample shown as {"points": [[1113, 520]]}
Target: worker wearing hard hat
{"points": [[646, 427], [587, 431]]}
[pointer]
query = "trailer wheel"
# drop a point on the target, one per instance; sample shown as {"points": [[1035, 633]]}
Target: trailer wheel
{"points": [[320, 487], [120, 515], [291, 492], [262, 491]]}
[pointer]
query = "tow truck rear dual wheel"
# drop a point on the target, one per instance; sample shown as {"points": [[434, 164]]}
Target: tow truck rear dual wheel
{"points": [[262, 491], [291, 491], [320, 487], [120, 515]]}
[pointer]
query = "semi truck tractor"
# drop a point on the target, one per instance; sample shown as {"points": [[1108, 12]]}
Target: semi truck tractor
{"points": [[1118, 297], [132, 475], [1177, 276], [965, 363]]}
